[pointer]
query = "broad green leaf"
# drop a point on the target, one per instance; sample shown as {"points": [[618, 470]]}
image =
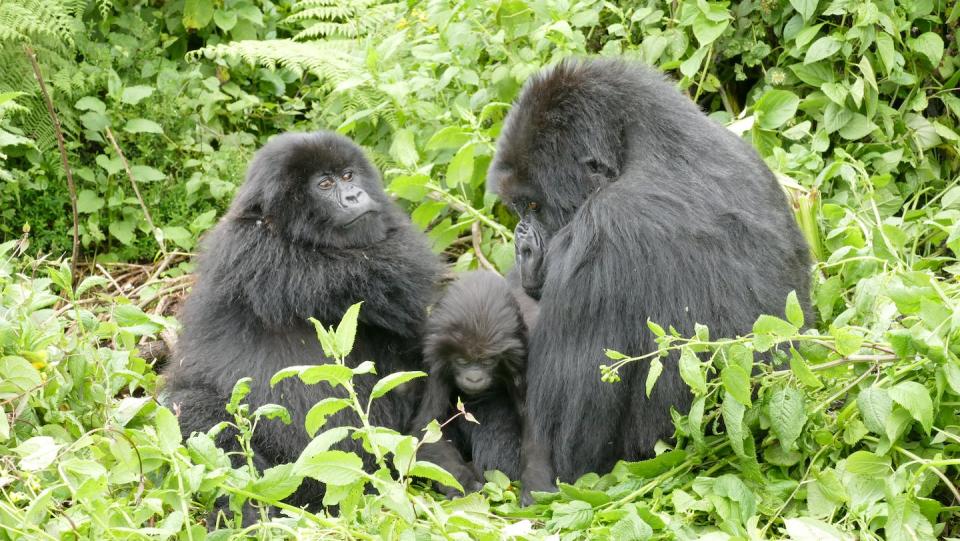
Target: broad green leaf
{"points": [[135, 94], [168, 430], [915, 398], [90, 103], [431, 471], [875, 407], [277, 482], [273, 411], [403, 149], [450, 137], [334, 374], [37, 453], [225, 19], [332, 467], [323, 441], [736, 381], [706, 30], [653, 374], [811, 529], [824, 47], [142, 125], [89, 202], [657, 330], [197, 13], [145, 173], [930, 45], [652, 467], [575, 515], [390, 382], [794, 311], [347, 330], [766, 324], [869, 464], [787, 415], [857, 127], [460, 169], [733, 411], [690, 371], [905, 522], [803, 373], [806, 8], [411, 187], [631, 528]]}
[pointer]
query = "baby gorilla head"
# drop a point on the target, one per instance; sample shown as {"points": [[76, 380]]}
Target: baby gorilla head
{"points": [[317, 189], [476, 335]]}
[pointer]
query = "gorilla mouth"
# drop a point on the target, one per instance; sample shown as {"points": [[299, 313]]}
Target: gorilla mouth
{"points": [[358, 217]]}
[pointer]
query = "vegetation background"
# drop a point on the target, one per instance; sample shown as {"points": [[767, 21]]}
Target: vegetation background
{"points": [[853, 103]]}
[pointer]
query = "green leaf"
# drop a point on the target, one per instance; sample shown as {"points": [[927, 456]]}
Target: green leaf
{"points": [[915, 398], [460, 169], [787, 415], [197, 13], [736, 381], [905, 522], [135, 94], [390, 382], [431, 471], [775, 326], [657, 330], [90, 103], [142, 125], [806, 8], [332, 467], [89, 202], [403, 149], [347, 330], [803, 373], [323, 442], [875, 407], [690, 371], [277, 482], [824, 47], [706, 30], [811, 529], [412, 188], [631, 528], [122, 230], [168, 430], [733, 411], [37, 453], [334, 374], [857, 127], [930, 45], [273, 411], [653, 374], [794, 311], [868, 464], [225, 20], [575, 515], [448, 138], [145, 173], [317, 416]]}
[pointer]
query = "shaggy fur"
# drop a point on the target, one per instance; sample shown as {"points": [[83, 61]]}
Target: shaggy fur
{"points": [[274, 261], [646, 209], [479, 320]]}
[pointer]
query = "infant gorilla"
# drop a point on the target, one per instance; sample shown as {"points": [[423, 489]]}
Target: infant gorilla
{"points": [[475, 347]]}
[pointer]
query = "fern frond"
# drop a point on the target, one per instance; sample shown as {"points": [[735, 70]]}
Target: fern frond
{"points": [[333, 62]]}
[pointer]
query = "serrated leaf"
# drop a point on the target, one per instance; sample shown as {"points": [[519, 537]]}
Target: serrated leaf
{"points": [[449, 137], [811, 529], [431, 471], [787, 414], [390, 382], [323, 442], [332, 467], [803, 373], [794, 311], [690, 372], [37, 452], [875, 407], [411, 187], [317, 416], [334, 374], [775, 108], [89, 202], [930, 45], [168, 430], [736, 381], [145, 173], [653, 374], [273, 411], [277, 482], [733, 411], [403, 149], [135, 94], [631, 528], [915, 398], [775, 326], [868, 464], [657, 330], [460, 169], [347, 330], [806, 8]]}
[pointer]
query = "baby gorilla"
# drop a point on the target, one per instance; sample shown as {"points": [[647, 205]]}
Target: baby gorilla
{"points": [[476, 348]]}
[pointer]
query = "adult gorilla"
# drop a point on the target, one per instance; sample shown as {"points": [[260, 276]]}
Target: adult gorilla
{"points": [[634, 206], [310, 233]]}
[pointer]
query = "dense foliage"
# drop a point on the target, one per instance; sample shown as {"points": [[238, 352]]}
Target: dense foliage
{"points": [[853, 103]]}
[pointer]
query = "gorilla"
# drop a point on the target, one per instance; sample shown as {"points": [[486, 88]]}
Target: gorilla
{"points": [[633, 205], [475, 347], [310, 233]]}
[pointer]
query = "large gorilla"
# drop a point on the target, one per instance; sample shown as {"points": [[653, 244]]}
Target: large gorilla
{"points": [[634, 206], [310, 233]]}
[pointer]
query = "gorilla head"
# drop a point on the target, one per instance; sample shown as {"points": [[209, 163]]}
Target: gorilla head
{"points": [[316, 189], [556, 148]]}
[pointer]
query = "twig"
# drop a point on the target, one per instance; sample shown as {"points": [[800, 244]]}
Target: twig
{"points": [[63, 158], [477, 236], [110, 277], [133, 182]]}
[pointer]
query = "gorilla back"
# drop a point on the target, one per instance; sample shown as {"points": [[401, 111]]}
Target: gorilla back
{"points": [[633, 205], [310, 233]]}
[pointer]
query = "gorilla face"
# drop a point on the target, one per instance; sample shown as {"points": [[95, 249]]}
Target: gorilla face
{"points": [[316, 189]]}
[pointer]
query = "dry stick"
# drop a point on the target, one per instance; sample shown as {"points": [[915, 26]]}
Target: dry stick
{"points": [[143, 206], [63, 157], [475, 231]]}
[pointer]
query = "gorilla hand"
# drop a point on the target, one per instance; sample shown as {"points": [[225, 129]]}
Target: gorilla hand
{"points": [[529, 245]]}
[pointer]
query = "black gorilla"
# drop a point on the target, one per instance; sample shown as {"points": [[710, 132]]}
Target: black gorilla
{"points": [[310, 233], [633, 205], [475, 347]]}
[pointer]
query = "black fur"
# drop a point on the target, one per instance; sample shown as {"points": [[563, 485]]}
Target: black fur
{"points": [[476, 330], [275, 260], [646, 209]]}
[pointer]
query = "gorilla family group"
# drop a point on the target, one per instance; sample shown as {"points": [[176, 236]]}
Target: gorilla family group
{"points": [[633, 206]]}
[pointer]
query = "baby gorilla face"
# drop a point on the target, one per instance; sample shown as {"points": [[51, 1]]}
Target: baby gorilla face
{"points": [[473, 376]]}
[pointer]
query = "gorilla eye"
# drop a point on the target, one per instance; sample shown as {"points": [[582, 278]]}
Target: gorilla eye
{"points": [[533, 206], [460, 361], [326, 183], [489, 361], [347, 175]]}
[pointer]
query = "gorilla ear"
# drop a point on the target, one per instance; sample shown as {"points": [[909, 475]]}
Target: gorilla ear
{"points": [[248, 205], [601, 168]]}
